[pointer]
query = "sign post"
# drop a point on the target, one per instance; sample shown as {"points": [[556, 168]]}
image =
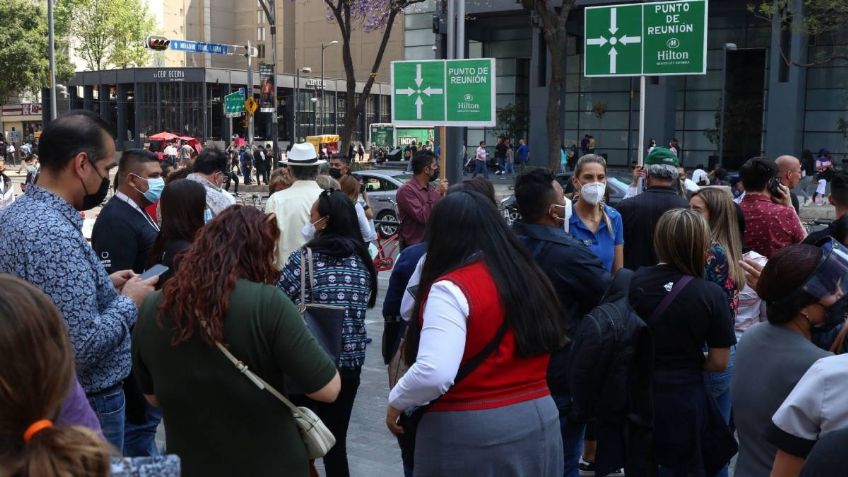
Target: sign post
{"points": [[443, 93], [655, 39]]}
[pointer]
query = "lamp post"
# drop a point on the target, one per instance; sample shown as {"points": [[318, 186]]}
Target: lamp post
{"points": [[305, 70], [727, 47], [324, 47], [314, 100], [52, 59], [271, 15]]}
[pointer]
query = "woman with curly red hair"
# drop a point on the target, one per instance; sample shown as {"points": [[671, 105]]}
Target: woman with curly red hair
{"points": [[218, 421]]}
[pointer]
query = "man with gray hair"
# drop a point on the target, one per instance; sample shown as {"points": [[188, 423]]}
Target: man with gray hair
{"points": [[641, 213]]}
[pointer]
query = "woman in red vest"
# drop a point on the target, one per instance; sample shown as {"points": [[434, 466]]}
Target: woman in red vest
{"points": [[488, 319]]}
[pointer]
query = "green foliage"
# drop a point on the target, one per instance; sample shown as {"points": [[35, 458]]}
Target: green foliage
{"points": [[111, 32], [24, 47], [511, 122], [819, 19]]}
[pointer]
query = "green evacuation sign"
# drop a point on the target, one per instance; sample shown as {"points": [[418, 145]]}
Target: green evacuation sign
{"points": [[664, 38], [233, 105], [443, 92]]}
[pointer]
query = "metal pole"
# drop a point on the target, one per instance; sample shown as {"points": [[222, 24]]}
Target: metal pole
{"points": [[275, 126], [721, 111], [295, 124], [322, 87], [459, 43], [249, 95], [52, 59], [641, 156]]}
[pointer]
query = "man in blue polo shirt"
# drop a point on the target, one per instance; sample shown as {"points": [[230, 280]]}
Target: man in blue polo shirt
{"points": [[523, 154]]}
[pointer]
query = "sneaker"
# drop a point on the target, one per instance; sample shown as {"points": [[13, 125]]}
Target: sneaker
{"points": [[588, 469]]}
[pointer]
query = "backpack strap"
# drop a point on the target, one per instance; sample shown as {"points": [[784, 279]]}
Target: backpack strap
{"points": [[672, 294]]}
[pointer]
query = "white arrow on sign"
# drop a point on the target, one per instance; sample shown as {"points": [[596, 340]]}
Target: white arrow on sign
{"points": [[428, 91], [406, 91], [597, 41], [418, 103], [627, 40], [613, 21], [418, 78], [612, 56]]}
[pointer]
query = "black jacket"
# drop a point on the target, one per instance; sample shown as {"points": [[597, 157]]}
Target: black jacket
{"points": [[123, 237], [578, 278], [838, 229], [610, 380], [640, 215]]}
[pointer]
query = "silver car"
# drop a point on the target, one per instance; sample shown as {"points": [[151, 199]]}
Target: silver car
{"points": [[382, 187]]}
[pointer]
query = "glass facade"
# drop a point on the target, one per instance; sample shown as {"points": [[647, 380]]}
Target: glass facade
{"points": [[827, 97], [175, 107]]}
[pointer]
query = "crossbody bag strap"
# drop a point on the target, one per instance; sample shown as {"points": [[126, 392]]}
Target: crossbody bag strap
{"points": [[672, 294], [302, 280], [311, 275], [478, 359], [259, 382]]}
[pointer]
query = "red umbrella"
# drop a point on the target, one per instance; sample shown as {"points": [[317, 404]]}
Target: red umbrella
{"points": [[163, 136]]}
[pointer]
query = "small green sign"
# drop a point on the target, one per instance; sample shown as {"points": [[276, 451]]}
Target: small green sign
{"points": [[443, 92], [234, 104], [663, 38]]}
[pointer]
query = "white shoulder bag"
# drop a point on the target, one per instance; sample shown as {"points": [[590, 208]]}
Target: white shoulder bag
{"points": [[317, 438]]}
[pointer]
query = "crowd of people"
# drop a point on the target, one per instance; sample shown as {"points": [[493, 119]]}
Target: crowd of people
{"points": [[662, 336]]}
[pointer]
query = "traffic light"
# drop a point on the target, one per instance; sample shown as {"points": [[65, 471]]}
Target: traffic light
{"points": [[158, 43]]}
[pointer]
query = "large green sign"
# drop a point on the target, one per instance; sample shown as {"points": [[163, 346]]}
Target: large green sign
{"points": [[443, 92], [234, 104], [664, 38]]}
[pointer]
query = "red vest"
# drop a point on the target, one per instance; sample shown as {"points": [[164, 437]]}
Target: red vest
{"points": [[504, 378]]}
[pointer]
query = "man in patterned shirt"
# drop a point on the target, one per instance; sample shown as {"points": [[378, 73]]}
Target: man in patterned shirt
{"points": [[770, 222], [42, 242]]}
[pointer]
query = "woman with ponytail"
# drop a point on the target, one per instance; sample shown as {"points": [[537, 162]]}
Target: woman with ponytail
{"points": [[594, 223], [34, 381]]}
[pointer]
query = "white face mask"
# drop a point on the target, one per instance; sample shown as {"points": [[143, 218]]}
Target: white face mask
{"points": [[593, 192], [308, 231], [568, 212]]}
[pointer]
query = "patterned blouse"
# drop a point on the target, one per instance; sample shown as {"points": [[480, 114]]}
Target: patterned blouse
{"points": [[337, 281], [717, 270]]}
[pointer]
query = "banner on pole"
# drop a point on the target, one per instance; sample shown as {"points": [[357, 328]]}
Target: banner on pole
{"points": [[267, 88]]}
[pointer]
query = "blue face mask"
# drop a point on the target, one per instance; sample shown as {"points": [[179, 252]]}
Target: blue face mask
{"points": [[207, 216], [155, 186]]}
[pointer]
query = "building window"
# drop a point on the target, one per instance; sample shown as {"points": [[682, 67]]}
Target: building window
{"points": [[260, 51]]}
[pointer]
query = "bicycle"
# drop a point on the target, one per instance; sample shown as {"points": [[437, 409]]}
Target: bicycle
{"points": [[386, 247]]}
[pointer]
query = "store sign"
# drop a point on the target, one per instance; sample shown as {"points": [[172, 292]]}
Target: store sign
{"points": [[657, 39], [443, 93], [315, 83], [24, 109], [170, 75]]}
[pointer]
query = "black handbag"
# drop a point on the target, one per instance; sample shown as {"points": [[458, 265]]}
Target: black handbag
{"points": [[323, 321], [409, 421]]}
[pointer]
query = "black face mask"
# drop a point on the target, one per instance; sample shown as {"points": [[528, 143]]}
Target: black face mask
{"points": [[91, 201], [335, 173]]}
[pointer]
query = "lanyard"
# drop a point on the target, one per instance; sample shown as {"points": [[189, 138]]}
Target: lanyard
{"points": [[121, 196]]}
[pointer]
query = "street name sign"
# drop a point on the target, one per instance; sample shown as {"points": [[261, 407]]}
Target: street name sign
{"points": [[443, 92], [234, 104], [655, 39], [199, 47]]}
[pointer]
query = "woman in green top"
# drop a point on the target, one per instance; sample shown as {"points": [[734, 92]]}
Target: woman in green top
{"points": [[216, 419]]}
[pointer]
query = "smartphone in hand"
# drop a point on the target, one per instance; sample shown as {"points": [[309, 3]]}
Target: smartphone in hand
{"points": [[153, 271]]}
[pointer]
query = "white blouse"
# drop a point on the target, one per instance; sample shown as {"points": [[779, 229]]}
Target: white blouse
{"points": [[440, 349]]}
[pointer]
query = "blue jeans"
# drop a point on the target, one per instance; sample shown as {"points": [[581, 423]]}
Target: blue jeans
{"points": [[572, 437], [510, 168], [140, 439], [109, 406], [718, 385], [480, 168]]}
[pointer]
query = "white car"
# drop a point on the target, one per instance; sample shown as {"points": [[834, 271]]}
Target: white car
{"points": [[382, 187]]}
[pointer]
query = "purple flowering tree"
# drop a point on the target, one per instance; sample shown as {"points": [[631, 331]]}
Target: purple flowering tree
{"points": [[370, 16]]}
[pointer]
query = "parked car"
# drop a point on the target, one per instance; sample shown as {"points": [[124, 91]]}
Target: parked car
{"points": [[616, 190], [382, 187]]}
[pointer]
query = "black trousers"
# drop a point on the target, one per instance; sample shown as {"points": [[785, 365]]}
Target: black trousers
{"points": [[336, 417]]}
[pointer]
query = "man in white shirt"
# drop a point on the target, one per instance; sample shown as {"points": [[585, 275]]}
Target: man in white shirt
{"points": [[293, 206], [210, 170], [7, 195], [700, 176], [480, 161]]}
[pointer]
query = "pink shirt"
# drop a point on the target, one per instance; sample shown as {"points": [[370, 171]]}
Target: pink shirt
{"points": [[769, 226]]}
